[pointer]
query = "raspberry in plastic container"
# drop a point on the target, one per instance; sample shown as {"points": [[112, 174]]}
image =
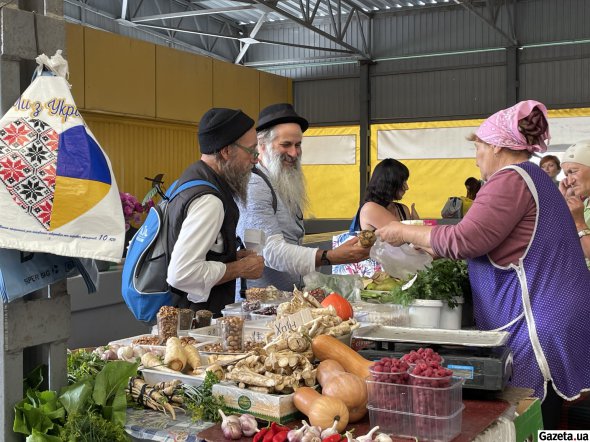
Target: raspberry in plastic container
{"points": [[431, 395], [388, 387], [422, 354]]}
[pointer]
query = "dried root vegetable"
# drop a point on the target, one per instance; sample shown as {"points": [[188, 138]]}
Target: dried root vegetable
{"points": [[175, 356], [150, 360], [250, 378], [151, 397], [192, 356]]}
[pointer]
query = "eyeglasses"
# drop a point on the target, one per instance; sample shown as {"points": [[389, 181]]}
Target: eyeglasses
{"points": [[249, 150]]}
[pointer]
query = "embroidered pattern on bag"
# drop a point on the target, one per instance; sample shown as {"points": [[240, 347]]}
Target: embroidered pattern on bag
{"points": [[28, 155]]}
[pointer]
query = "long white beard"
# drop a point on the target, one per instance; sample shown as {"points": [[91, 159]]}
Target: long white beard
{"points": [[289, 182]]}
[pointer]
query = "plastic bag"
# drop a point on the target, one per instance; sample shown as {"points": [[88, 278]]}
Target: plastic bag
{"points": [[400, 262], [349, 286]]}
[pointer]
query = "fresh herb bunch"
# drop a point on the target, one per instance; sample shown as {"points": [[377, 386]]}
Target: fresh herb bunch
{"points": [[82, 365], [443, 280], [200, 401], [91, 427]]}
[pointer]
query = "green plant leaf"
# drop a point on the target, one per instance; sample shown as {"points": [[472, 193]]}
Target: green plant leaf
{"points": [[37, 436], [110, 379], [28, 418], [75, 397], [35, 378]]}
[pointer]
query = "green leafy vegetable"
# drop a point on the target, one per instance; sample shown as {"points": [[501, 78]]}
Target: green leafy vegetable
{"points": [[91, 409], [200, 401], [90, 427], [444, 280], [83, 364]]}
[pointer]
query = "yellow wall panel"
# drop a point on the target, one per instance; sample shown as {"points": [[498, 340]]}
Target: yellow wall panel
{"points": [[119, 74], [75, 57], [333, 190], [236, 87], [273, 89], [141, 148], [184, 85]]}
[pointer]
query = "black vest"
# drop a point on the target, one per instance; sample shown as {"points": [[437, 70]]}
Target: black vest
{"points": [[177, 210]]}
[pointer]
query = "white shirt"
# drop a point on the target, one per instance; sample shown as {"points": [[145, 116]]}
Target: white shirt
{"points": [[200, 232], [285, 259]]}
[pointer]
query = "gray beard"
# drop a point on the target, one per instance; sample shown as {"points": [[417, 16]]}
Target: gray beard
{"points": [[289, 183], [236, 179]]}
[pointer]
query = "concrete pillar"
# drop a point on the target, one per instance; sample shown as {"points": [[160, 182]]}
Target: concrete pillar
{"points": [[27, 28]]}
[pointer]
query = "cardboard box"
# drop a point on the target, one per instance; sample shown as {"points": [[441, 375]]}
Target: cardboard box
{"points": [[269, 407], [529, 420]]}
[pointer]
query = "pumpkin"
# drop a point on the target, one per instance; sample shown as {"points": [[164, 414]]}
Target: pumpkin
{"points": [[348, 387], [321, 410], [327, 347], [340, 304]]}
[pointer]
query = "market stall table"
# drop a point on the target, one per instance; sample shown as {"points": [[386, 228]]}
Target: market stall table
{"points": [[147, 425]]}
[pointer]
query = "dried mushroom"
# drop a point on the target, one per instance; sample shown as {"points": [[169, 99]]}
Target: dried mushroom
{"points": [[367, 238]]}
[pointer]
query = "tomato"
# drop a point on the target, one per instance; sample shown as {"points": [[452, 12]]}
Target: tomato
{"points": [[342, 306]]}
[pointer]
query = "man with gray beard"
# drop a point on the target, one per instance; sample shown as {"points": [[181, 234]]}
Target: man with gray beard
{"points": [[205, 262], [280, 131]]}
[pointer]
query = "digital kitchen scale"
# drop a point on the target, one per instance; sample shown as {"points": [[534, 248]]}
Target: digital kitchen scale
{"points": [[479, 357]]}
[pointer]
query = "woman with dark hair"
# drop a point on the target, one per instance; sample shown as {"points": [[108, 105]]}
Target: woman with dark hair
{"points": [[472, 185], [388, 184], [526, 265]]}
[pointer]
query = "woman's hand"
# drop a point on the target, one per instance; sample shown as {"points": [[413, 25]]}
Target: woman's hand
{"points": [[391, 233]]}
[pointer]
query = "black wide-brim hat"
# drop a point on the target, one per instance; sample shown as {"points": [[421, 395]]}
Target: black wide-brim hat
{"points": [[279, 114]]}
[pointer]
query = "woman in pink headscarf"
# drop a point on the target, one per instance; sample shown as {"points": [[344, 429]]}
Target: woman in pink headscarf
{"points": [[526, 265]]}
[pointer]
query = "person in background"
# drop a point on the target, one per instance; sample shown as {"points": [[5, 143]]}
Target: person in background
{"points": [[550, 164], [280, 131], [472, 185], [575, 187], [205, 262], [526, 265], [388, 184]]}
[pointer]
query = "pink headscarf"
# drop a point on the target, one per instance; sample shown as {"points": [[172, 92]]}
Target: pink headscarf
{"points": [[503, 129]]}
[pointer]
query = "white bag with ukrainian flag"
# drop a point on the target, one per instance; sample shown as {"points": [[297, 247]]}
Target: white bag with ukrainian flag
{"points": [[58, 193]]}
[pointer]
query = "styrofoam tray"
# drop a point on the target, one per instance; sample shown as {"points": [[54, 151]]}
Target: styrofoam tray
{"points": [[129, 341], [154, 376], [469, 338]]}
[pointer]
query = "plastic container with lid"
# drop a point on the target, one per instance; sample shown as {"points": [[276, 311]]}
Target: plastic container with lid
{"points": [[167, 319], [231, 331], [235, 312], [416, 426], [381, 314]]}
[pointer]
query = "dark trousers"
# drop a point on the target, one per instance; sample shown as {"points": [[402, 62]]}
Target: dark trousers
{"points": [[551, 408]]}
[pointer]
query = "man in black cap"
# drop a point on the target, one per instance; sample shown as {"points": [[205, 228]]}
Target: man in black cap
{"points": [[205, 262], [280, 178]]}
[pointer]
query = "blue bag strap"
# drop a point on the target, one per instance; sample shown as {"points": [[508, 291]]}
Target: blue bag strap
{"points": [[355, 225], [190, 184]]}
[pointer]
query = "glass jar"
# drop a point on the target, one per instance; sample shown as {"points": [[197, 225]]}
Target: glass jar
{"points": [[185, 318], [202, 318], [167, 323], [231, 332]]}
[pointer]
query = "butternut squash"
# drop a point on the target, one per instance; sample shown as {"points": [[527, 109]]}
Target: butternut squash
{"points": [[348, 387], [327, 347], [321, 410]]}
